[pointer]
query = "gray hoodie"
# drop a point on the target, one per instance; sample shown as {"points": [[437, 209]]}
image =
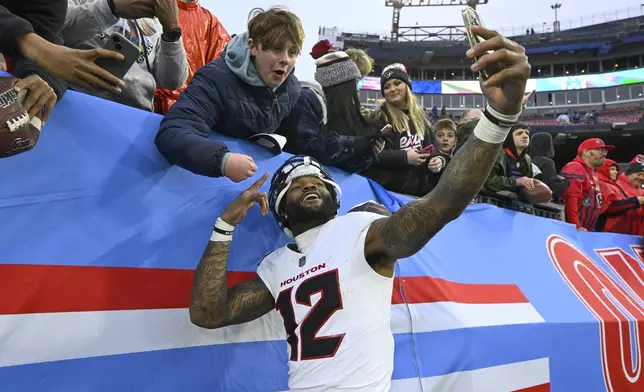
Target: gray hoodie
{"points": [[88, 25]]}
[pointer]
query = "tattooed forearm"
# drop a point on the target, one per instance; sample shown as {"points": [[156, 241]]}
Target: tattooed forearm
{"points": [[213, 305], [409, 229]]}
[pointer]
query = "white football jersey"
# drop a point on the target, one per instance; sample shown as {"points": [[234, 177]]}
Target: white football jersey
{"points": [[336, 310]]}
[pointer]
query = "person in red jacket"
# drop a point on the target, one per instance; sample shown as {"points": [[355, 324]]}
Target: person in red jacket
{"points": [[204, 38], [583, 197], [621, 202]]}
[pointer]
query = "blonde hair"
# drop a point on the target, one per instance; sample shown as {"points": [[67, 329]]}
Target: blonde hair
{"points": [[362, 60], [400, 121], [274, 28], [445, 123]]}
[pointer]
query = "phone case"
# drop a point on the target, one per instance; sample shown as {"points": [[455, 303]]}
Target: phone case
{"points": [[472, 18], [118, 43]]}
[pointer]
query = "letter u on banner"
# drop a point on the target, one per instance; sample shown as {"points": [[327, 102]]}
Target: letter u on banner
{"points": [[619, 309]]}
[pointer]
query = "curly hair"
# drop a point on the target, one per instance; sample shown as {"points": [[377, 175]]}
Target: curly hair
{"points": [[362, 60]]}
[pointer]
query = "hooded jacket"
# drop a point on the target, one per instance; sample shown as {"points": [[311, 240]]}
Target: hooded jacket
{"points": [[225, 96], [541, 152], [584, 201], [509, 166], [306, 133], [204, 38], [392, 170], [620, 213]]}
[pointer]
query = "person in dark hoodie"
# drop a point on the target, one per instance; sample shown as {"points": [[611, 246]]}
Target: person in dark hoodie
{"points": [[326, 123], [513, 168], [249, 90], [542, 152], [407, 158]]}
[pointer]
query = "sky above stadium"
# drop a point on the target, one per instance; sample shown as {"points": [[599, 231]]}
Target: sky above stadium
{"points": [[372, 16]]}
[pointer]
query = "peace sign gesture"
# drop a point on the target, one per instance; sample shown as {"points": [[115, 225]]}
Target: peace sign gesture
{"points": [[236, 211]]}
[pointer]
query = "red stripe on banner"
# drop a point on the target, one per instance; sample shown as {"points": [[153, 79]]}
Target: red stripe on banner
{"points": [[49, 289], [427, 289], [536, 388]]}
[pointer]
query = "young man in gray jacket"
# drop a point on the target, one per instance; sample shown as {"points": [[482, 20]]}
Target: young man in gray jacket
{"points": [[152, 25]]}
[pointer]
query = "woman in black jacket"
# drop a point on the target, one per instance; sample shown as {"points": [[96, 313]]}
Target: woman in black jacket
{"points": [[326, 123], [408, 157]]}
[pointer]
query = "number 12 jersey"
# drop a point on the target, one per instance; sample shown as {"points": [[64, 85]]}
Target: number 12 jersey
{"points": [[336, 310]]}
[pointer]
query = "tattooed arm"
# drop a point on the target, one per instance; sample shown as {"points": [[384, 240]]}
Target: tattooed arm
{"points": [[213, 304], [408, 230]]}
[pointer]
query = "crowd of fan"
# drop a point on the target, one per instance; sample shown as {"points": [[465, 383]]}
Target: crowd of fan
{"points": [[203, 80]]}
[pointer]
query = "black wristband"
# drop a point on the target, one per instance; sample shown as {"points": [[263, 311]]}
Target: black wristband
{"points": [[498, 122], [224, 232]]}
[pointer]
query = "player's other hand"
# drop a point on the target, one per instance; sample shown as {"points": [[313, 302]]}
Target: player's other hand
{"points": [[3, 63], [504, 90], [239, 167], [40, 98], [236, 211]]}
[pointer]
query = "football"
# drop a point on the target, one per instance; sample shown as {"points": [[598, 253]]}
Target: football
{"points": [[540, 194], [18, 133]]}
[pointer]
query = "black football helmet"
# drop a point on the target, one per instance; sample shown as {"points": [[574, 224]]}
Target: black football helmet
{"points": [[297, 167]]}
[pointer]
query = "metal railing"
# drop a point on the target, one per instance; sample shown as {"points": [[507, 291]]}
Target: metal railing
{"points": [[575, 23], [510, 201]]}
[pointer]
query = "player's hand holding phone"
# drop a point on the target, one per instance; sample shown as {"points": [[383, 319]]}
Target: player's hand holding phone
{"points": [[236, 211], [505, 89]]}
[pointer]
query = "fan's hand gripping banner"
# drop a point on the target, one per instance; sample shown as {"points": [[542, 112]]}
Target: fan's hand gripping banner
{"points": [[99, 238]]}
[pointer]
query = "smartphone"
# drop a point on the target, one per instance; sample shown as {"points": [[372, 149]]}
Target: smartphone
{"points": [[472, 18], [428, 149], [118, 43]]}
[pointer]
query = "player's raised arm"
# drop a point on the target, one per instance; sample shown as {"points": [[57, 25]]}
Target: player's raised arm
{"points": [[213, 304], [409, 229]]}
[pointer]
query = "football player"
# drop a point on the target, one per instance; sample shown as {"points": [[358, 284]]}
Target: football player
{"points": [[333, 285]]}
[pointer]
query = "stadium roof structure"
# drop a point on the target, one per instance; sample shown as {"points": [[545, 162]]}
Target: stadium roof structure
{"points": [[398, 5], [448, 41]]}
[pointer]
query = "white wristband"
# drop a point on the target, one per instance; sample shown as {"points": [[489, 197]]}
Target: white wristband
{"points": [[223, 231], [220, 224], [218, 237], [489, 132]]}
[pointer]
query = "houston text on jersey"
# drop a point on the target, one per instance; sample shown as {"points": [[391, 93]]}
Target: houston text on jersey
{"points": [[303, 274]]}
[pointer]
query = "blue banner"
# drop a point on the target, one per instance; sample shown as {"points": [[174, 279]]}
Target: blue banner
{"points": [[100, 236]]}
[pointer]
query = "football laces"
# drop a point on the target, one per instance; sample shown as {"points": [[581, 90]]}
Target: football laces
{"points": [[18, 122]]}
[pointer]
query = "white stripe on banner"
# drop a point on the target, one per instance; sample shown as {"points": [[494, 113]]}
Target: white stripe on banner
{"points": [[443, 316], [43, 337], [504, 378]]}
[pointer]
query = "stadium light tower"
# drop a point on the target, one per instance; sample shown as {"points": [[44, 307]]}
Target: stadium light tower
{"points": [[556, 26], [398, 5]]}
